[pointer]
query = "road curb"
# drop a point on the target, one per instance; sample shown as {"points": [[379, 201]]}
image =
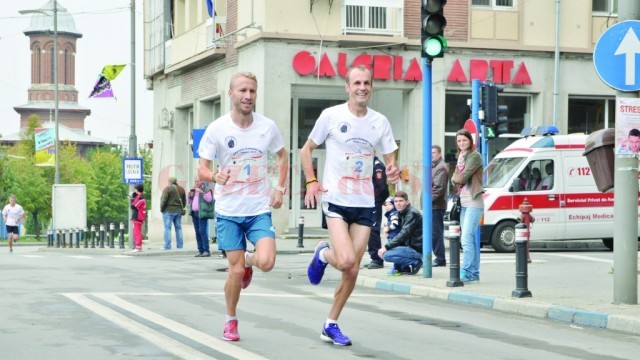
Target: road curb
{"points": [[525, 307]]}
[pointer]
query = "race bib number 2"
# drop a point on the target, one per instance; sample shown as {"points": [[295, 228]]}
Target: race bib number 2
{"points": [[248, 169], [357, 166]]}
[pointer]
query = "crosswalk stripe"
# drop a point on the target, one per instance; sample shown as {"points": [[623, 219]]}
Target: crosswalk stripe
{"points": [[175, 347]]}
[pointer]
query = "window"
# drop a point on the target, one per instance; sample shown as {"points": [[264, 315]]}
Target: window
{"points": [[382, 17], [587, 115], [536, 176], [605, 6], [494, 3]]}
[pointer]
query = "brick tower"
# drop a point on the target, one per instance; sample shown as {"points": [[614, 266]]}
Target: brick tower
{"points": [[41, 93]]}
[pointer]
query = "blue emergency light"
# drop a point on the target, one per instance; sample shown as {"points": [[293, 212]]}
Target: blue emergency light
{"points": [[540, 130]]}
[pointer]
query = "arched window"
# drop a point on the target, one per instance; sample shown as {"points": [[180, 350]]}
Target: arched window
{"points": [[67, 64], [52, 66], [37, 63]]}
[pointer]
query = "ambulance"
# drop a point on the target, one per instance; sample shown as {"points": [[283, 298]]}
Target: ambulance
{"points": [[549, 171]]}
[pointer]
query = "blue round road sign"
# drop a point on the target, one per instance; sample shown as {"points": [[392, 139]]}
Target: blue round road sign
{"points": [[616, 56]]}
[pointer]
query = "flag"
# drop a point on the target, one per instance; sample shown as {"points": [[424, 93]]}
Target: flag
{"points": [[209, 7], [112, 71], [102, 88], [45, 147]]}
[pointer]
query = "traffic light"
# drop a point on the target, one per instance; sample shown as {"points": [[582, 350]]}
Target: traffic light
{"points": [[489, 104], [495, 117], [433, 23]]}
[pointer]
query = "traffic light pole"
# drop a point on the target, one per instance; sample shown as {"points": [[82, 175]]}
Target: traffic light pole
{"points": [[427, 208], [482, 141]]}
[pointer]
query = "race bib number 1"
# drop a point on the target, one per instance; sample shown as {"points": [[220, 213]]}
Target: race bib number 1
{"points": [[248, 169], [357, 166]]}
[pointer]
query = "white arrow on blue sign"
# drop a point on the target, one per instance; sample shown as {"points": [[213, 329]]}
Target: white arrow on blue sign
{"points": [[616, 56]]}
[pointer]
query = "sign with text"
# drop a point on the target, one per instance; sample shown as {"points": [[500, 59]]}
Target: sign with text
{"points": [[45, 147], [627, 126], [132, 170]]}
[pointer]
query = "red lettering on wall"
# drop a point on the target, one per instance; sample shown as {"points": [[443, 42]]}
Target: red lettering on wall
{"points": [[457, 74], [343, 69], [522, 76], [397, 67], [382, 67], [414, 73], [325, 68], [507, 65], [304, 63], [479, 69]]}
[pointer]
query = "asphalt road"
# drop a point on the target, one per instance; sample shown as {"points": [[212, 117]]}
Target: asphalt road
{"points": [[58, 305]]}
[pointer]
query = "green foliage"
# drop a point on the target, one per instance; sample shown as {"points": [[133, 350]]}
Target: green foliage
{"points": [[147, 165], [113, 204]]}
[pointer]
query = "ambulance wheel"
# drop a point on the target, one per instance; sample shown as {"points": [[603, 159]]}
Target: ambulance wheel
{"points": [[504, 236], [608, 243]]}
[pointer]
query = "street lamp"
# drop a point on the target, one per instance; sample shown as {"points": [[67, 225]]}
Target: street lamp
{"points": [[55, 78]]}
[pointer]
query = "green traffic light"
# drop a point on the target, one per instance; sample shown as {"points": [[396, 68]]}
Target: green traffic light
{"points": [[490, 132], [434, 46]]}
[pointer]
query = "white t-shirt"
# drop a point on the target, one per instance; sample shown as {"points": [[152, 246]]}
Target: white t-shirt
{"points": [[13, 214], [243, 153], [350, 143]]}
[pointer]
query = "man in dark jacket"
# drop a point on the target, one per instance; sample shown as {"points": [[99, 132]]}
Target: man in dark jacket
{"points": [[172, 205], [440, 182], [381, 193], [405, 250]]}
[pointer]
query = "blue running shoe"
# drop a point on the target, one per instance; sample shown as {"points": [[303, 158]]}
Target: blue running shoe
{"points": [[315, 272], [334, 335]]}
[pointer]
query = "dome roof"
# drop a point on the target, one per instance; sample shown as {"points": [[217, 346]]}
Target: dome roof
{"points": [[43, 22]]}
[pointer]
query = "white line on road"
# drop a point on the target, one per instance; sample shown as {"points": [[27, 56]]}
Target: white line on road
{"points": [[507, 261], [175, 347], [32, 256], [80, 256], [580, 257], [179, 328]]}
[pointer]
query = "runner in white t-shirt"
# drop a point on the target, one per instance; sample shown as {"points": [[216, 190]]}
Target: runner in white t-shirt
{"points": [[12, 214], [352, 132], [241, 142]]}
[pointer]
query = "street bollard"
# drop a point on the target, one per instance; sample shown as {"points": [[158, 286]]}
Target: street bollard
{"points": [[527, 218], [64, 238], [453, 234], [70, 238], [93, 236], [521, 262], [49, 238], [85, 236], [56, 234], [77, 238], [112, 240], [300, 231], [121, 237], [101, 236]]}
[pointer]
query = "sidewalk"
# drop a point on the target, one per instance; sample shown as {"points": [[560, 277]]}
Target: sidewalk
{"points": [[579, 293], [580, 296]]}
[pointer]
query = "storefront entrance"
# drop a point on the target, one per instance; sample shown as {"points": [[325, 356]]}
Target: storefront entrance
{"points": [[305, 112]]}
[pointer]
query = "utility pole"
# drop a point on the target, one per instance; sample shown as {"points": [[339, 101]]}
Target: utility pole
{"points": [[133, 140], [625, 202]]}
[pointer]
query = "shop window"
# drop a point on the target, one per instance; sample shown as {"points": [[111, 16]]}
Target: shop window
{"points": [[609, 7], [587, 115]]}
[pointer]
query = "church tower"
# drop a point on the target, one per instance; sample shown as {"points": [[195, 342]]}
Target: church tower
{"points": [[41, 92]]}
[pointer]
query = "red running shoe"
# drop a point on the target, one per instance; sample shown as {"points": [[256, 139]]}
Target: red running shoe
{"points": [[246, 278]]}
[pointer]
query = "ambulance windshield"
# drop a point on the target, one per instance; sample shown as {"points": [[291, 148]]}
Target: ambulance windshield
{"points": [[500, 170]]}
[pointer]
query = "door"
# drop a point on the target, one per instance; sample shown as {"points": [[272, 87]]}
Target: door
{"points": [[305, 112]]}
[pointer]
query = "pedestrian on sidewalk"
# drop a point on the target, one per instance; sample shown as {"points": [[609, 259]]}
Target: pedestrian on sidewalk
{"points": [[467, 178], [405, 249], [201, 226], [12, 215], [352, 132], [439, 185], [392, 225], [172, 207], [240, 142], [381, 192], [138, 215]]}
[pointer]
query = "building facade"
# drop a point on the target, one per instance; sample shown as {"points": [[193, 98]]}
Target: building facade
{"points": [[301, 50]]}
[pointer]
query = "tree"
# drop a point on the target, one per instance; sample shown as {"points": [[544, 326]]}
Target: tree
{"points": [[113, 205]]}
